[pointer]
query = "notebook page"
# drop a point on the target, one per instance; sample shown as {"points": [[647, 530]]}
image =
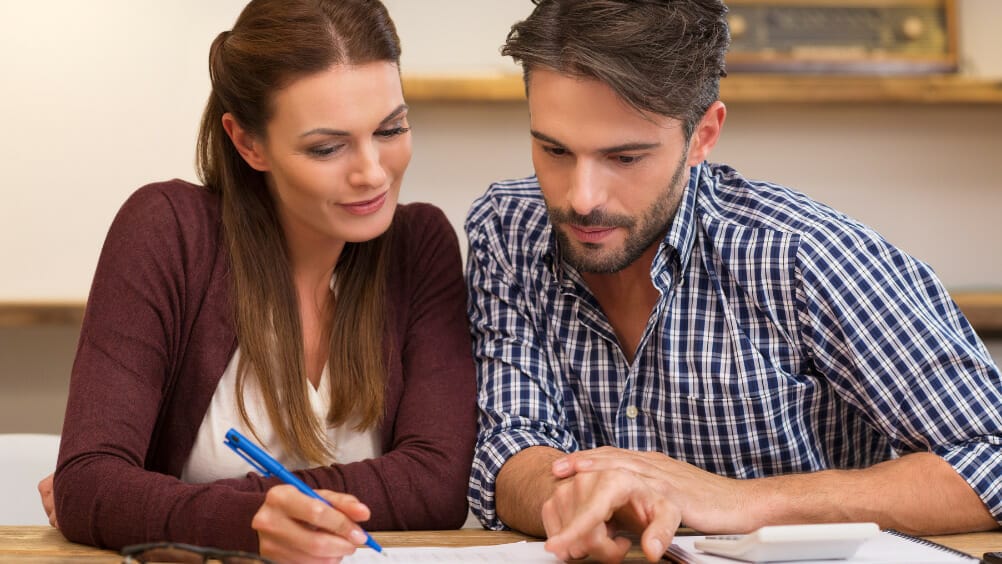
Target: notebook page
{"points": [[885, 548]]}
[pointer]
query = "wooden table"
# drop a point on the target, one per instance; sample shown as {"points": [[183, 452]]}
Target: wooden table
{"points": [[45, 545]]}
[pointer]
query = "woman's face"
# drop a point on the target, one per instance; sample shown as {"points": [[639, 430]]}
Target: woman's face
{"points": [[335, 153]]}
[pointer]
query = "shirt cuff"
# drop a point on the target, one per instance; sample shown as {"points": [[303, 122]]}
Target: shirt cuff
{"points": [[979, 463], [490, 456]]}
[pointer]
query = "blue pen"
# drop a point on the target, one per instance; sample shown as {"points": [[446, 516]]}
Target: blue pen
{"points": [[269, 467]]}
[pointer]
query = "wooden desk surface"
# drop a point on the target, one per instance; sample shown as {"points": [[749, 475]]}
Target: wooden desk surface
{"points": [[45, 545]]}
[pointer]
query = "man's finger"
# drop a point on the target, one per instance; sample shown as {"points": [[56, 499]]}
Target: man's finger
{"points": [[664, 520]]}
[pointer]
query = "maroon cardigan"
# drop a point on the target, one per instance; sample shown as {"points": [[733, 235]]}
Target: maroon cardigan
{"points": [[158, 333]]}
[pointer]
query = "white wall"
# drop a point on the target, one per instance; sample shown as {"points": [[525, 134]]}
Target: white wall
{"points": [[100, 97]]}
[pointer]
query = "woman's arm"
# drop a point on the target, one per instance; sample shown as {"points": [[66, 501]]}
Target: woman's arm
{"points": [[149, 284]]}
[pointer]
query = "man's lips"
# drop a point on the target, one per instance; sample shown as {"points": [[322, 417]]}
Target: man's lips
{"points": [[590, 234]]}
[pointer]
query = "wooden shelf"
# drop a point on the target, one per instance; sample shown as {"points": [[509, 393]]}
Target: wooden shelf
{"points": [[486, 88], [26, 314], [745, 88], [983, 310]]}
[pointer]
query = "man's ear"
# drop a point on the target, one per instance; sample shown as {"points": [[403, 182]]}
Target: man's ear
{"points": [[706, 133], [246, 143]]}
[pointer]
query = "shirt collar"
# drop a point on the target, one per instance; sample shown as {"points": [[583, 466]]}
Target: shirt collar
{"points": [[676, 248]]}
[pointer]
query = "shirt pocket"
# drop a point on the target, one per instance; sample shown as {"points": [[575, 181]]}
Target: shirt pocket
{"points": [[742, 435]]}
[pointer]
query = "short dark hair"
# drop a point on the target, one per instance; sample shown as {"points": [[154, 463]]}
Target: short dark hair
{"points": [[660, 56]]}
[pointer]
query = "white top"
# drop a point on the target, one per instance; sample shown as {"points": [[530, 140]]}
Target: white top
{"points": [[211, 460]]}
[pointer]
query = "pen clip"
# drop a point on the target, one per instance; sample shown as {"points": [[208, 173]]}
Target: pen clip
{"points": [[235, 446]]}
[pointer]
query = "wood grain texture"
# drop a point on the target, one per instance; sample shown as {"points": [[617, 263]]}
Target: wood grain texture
{"points": [[40, 544]]}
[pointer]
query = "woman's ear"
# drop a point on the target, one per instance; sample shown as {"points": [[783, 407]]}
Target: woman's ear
{"points": [[707, 132], [246, 143]]}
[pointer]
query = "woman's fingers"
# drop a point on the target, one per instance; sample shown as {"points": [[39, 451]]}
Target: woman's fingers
{"points": [[347, 504], [294, 527], [45, 490]]}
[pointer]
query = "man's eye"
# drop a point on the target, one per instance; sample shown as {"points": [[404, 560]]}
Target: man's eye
{"points": [[627, 159], [555, 151]]}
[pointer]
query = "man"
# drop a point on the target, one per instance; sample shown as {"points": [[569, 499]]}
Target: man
{"points": [[661, 341]]}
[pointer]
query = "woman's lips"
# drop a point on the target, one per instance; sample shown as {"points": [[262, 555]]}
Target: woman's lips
{"points": [[367, 207]]}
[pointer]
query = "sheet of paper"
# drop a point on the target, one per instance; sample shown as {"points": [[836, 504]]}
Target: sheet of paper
{"points": [[885, 548], [522, 552]]}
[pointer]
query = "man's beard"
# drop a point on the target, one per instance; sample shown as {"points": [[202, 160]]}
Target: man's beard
{"points": [[641, 232]]}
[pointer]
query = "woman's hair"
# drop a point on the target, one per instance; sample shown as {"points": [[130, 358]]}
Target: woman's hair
{"points": [[660, 56], [273, 43]]}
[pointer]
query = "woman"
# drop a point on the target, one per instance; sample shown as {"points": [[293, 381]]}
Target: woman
{"points": [[290, 298]]}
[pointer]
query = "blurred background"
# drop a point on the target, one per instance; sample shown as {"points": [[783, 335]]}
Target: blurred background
{"points": [[104, 96]]}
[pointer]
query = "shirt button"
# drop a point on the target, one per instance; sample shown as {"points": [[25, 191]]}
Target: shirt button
{"points": [[632, 412]]}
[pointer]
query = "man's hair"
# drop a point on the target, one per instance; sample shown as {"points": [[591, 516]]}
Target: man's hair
{"points": [[660, 56]]}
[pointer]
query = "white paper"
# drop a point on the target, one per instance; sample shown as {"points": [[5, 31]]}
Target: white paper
{"points": [[522, 552], [885, 548]]}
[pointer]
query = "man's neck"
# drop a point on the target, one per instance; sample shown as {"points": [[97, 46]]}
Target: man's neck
{"points": [[634, 278]]}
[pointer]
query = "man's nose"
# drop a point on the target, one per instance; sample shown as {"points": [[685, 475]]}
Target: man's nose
{"points": [[586, 192]]}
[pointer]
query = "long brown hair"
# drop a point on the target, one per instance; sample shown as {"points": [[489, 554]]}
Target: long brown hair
{"points": [[660, 56], [273, 43]]}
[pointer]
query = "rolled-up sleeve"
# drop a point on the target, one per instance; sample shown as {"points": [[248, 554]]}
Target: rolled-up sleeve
{"points": [[519, 397], [889, 338]]}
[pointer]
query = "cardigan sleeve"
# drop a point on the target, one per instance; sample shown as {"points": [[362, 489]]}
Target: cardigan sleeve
{"points": [[158, 251]]}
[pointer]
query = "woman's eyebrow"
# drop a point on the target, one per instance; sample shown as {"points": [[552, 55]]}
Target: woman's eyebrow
{"points": [[341, 133], [395, 113]]}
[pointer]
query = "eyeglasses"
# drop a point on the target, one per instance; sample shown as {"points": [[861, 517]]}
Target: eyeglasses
{"points": [[177, 553]]}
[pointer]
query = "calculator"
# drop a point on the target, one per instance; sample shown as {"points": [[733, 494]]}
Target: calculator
{"points": [[781, 543]]}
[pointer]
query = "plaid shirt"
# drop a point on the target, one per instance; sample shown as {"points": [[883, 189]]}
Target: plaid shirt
{"points": [[787, 338]]}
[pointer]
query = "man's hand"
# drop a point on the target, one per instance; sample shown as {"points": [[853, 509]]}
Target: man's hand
{"points": [[707, 502], [48, 499], [604, 490], [293, 527], [585, 511]]}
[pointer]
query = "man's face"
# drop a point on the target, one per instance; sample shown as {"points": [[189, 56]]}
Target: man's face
{"points": [[612, 177]]}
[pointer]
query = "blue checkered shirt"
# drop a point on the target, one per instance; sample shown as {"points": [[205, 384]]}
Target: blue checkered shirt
{"points": [[787, 338]]}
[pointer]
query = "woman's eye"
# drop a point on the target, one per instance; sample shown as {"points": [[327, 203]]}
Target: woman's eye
{"points": [[324, 150], [392, 132]]}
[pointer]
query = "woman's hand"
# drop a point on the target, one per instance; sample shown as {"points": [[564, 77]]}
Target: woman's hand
{"points": [[293, 527], [48, 499]]}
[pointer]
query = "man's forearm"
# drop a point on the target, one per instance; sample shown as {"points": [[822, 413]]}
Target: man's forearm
{"points": [[917, 493], [524, 483]]}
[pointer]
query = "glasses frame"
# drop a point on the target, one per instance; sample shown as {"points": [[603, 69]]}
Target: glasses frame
{"points": [[131, 553]]}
